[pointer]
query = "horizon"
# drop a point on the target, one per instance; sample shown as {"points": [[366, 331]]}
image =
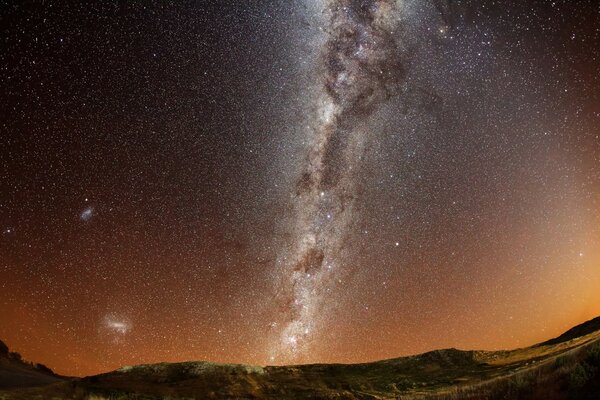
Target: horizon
{"points": [[309, 363]]}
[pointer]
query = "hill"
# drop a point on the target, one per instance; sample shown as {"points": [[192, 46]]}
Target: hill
{"points": [[18, 373], [568, 368], [578, 331]]}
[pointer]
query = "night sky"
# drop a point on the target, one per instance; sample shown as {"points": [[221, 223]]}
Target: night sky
{"points": [[275, 182]]}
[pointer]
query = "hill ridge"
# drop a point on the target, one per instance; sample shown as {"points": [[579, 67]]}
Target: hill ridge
{"points": [[564, 367]]}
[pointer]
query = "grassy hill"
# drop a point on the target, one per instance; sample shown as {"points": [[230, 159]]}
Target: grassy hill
{"points": [[568, 368]]}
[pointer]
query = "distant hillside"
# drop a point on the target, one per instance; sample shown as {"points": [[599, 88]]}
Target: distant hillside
{"points": [[586, 328], [565, 368], [17, 373]]}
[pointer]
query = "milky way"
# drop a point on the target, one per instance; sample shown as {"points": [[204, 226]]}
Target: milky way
{"points": [[362, 67]]}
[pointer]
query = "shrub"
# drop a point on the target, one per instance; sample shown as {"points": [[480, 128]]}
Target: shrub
{"points": [[520, 383], [594, 354], [580, 375], [43, 368], [561, 361]]}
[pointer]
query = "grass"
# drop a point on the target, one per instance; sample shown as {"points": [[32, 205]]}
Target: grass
{"points": [[564, 376]]}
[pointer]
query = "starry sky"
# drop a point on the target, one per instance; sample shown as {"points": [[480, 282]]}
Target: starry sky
{"points": [[275, 182]]}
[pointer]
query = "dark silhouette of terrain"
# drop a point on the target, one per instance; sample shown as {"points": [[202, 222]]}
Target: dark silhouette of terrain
{"points": [[567, 367], [578, 331], [17, 373]]}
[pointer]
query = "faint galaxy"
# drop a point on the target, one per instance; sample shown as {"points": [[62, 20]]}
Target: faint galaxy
{"points": [[296, 181], [87, 214], [115, 326]]}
